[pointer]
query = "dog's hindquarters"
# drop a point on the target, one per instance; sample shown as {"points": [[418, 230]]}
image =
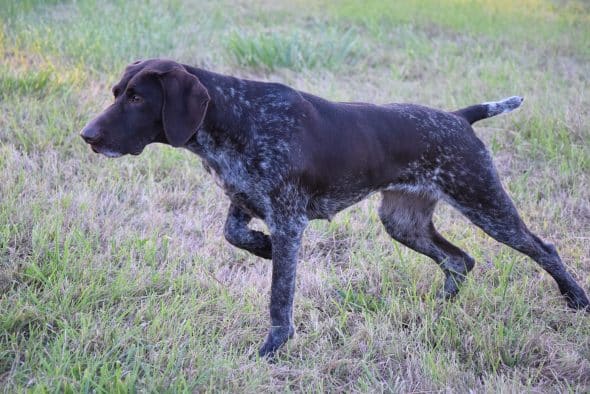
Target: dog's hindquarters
{"points": [[486, 204], [464, 175]]}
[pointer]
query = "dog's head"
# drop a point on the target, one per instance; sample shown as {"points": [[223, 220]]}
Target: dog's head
{"points": [[155, 101]]}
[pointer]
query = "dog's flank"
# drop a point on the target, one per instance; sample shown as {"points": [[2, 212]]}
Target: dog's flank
{"points": [[288, 157], [486, 110]]}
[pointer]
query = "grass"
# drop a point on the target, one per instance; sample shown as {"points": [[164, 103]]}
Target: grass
{"points": [[296, 50], [114, 275]]}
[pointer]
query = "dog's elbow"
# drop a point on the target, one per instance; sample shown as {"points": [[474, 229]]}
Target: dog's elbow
{"points": [[232, 235]]}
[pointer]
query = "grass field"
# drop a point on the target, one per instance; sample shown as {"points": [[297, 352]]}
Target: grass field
{"points": [[114, 274]]}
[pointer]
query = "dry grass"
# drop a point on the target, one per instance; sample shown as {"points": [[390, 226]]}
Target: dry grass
{"points": [[114, 275]]}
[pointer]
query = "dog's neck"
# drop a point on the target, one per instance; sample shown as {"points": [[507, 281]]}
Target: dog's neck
{"points": [[227, 111]]}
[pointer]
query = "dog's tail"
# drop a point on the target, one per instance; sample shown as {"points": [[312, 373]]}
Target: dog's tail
{"points": [[486, 110]]}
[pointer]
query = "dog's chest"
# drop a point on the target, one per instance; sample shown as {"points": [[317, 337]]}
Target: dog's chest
{"points": [[234, 172]]}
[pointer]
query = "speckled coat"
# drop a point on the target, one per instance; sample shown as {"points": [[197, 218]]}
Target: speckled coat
{"points": [[288, 157]]}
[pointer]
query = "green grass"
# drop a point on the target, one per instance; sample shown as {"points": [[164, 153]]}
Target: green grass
{"points": [[559, 26], [114, 275], [295, 50]]}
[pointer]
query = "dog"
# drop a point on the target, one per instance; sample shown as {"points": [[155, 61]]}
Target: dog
{"points": [[287, 157]]}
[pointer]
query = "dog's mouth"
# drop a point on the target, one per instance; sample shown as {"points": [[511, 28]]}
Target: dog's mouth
{"points": [[107, 152], [112, 154]]}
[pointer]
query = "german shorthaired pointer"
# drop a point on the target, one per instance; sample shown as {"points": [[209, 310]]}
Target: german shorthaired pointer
{"points": [[287, 157]]}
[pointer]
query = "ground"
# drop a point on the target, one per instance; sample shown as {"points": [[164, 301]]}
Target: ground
{"points": [[114, 274]]}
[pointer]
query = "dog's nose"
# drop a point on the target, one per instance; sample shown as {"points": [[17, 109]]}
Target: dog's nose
{"points": [[91, 134]]}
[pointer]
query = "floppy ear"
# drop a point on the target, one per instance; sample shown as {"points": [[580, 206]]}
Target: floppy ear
{"points": [[185, 101]]}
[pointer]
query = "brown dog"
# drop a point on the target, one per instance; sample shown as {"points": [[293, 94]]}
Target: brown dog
{"points": [[287, 157]]}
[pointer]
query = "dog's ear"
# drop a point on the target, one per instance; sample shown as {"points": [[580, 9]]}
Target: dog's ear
{"points": [[185, 101]]}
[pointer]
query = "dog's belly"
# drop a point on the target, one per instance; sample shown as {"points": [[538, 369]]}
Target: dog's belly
{"points": [[326, 205]]}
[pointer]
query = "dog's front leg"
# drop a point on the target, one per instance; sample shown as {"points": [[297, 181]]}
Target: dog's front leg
{"points": [[237, 233], [286, 239]]}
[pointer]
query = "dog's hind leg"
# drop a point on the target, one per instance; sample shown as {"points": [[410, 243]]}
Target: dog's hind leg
{"points": [[489, 207], [407, 217]]}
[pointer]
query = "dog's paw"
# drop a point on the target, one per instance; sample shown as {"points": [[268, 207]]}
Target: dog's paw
{"points": [[276, 337], [577, 299], [444, 295]]}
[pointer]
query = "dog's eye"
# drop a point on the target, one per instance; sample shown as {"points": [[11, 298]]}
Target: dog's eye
{"points": [[135, 99]]}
